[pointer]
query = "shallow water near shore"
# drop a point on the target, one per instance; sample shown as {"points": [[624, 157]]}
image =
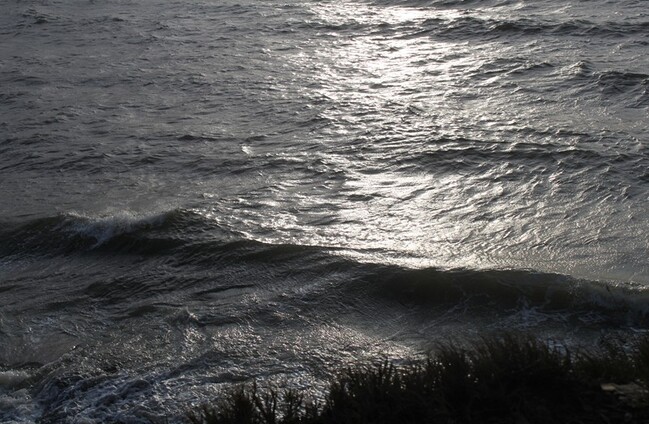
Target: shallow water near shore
{"points": [[198, 194]]}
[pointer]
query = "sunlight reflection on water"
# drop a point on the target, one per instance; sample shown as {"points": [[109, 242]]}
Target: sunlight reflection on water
{"points": [[437, 157]]}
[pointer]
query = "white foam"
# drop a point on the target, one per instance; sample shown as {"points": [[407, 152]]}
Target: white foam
{"points": [[18, 407], [12, 378], [105, 228]]}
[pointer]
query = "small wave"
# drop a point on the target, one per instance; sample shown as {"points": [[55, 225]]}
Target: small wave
{"points": [[38, 17], [322, 26], [442, 3], [630, 88], [193, 137], [627, 83], [469, 27], [521, 156]]}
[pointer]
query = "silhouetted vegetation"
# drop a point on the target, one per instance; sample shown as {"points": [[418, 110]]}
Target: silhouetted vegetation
{"points": [[506, 379]]}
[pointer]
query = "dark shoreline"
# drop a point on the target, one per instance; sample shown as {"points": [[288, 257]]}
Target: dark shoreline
{"points": [[510, 378]]}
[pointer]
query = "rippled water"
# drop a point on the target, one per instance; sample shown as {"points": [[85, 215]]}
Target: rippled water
{"points": [[200, 193]]}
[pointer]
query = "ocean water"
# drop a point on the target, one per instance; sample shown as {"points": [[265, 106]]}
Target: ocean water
{"points": [[197, 194]]}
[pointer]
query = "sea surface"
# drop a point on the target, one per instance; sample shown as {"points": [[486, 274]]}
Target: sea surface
{"points": [[202, 193]]}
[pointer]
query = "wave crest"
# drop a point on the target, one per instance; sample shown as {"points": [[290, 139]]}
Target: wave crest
{"points": [[124, 231]]}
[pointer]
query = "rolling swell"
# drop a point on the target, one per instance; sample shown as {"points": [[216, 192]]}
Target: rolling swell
{"points": [[508, 290], [184, 235], [188, 240]]}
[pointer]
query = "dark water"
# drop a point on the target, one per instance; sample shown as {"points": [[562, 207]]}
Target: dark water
{"points": [[201, 193]]}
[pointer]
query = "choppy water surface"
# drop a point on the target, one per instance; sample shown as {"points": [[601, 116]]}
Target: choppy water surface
{"points": [[200, 193]]}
